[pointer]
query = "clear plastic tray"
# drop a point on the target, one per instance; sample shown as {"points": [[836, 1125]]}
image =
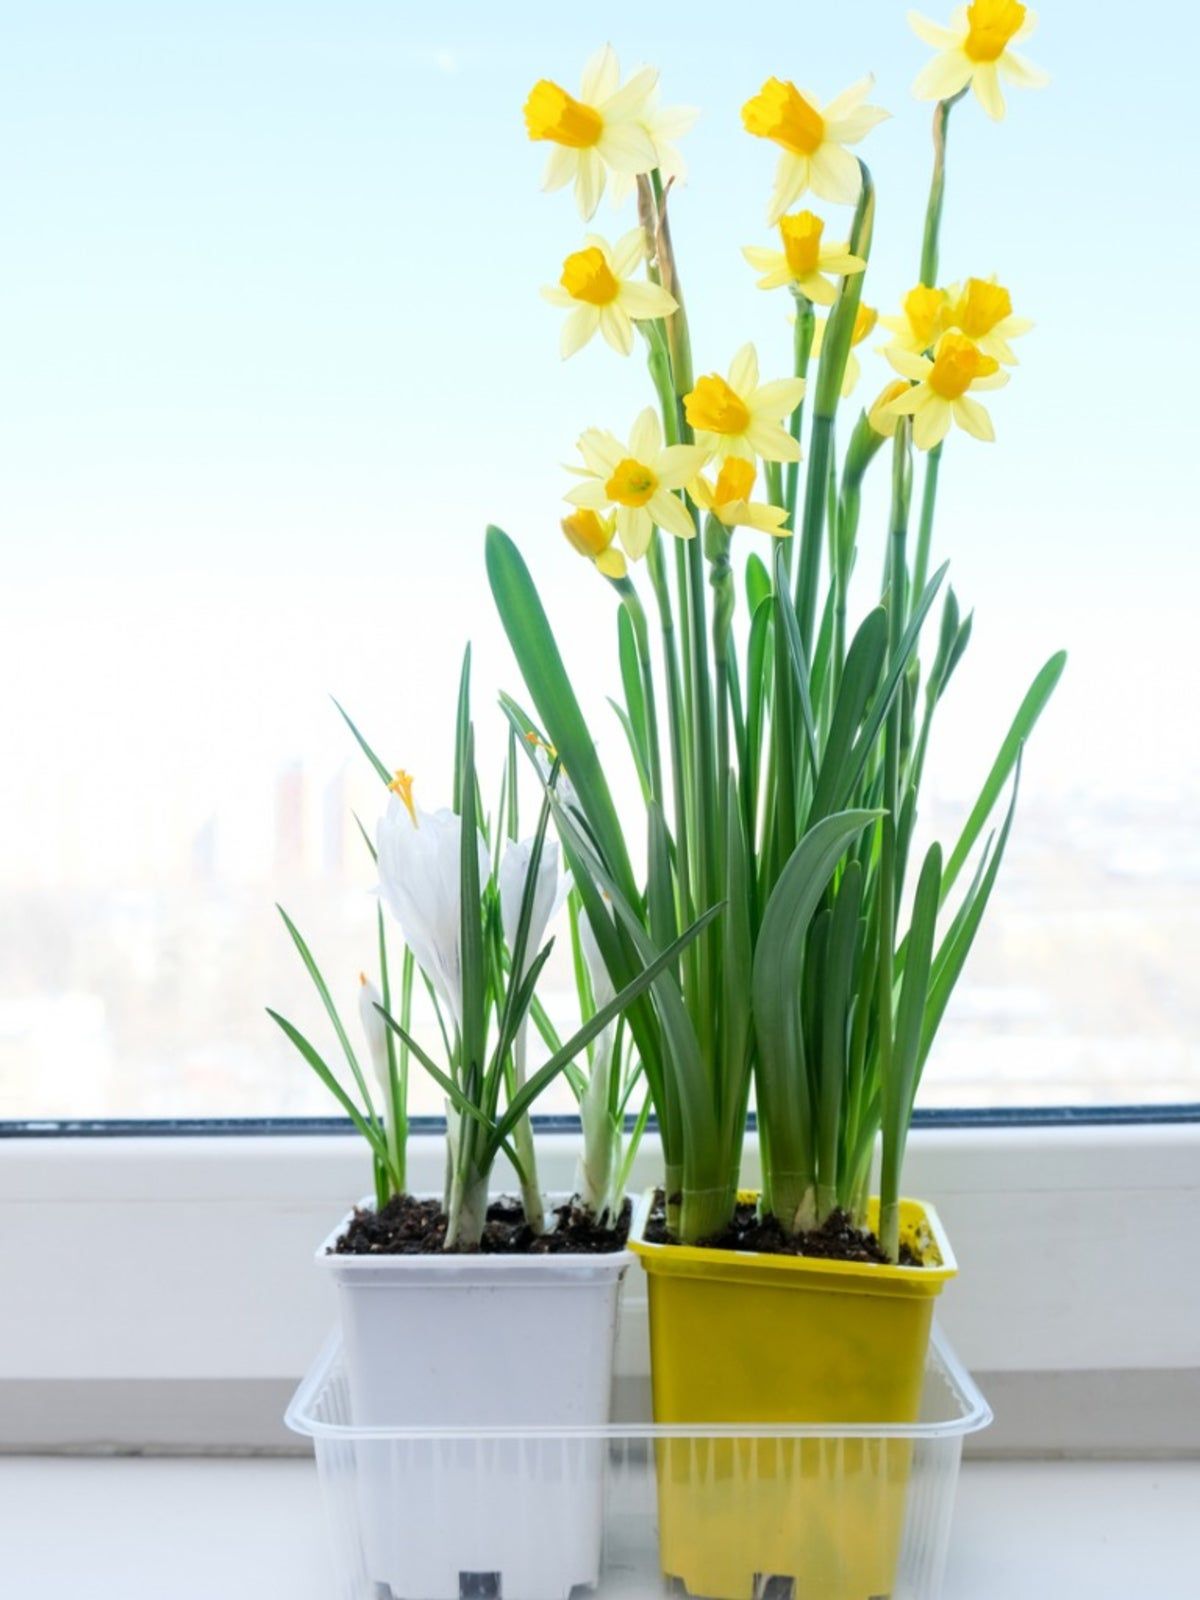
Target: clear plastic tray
{"points": [[829, 1512]]}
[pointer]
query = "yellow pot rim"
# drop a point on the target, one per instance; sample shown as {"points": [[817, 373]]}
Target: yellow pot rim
{"points": [[754, 1266]]}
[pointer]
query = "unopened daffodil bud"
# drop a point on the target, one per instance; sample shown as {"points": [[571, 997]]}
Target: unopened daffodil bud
{"points": [[592, 535], [879, 417]]}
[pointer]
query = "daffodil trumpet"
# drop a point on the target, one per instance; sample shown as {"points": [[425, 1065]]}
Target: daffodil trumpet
{"points": [[793, 747]]}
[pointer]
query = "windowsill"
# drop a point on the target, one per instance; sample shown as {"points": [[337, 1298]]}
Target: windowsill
{"points": [[130, 1529]]}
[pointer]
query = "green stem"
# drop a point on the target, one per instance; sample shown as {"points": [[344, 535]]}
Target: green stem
{"points": [[801, 350]]}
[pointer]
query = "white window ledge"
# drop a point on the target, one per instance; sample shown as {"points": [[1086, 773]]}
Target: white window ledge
{"points": [[159, 1293], [128, 1529]]}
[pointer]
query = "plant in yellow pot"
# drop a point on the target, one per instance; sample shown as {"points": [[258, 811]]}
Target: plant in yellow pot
{"points": [[780, 752]]}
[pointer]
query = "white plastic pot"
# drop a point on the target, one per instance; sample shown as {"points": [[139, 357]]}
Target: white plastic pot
{"points": [[464, 1341]]}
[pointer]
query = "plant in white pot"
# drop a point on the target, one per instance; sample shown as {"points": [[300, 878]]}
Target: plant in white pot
{"points": [[444, 1300]]}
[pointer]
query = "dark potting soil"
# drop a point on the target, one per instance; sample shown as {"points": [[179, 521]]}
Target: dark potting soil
{"points": [[837, 1239], [409, 1227]]}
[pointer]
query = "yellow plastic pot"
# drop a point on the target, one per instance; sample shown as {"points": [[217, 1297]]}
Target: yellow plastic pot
{"points": [[741, 1337]]}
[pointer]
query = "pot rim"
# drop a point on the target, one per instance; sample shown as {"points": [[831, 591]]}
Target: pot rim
{"points": [[582, 1267], [757, 1265]]}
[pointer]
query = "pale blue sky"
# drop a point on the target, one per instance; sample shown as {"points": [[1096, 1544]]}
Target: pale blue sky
{"points": [[272, 353]]}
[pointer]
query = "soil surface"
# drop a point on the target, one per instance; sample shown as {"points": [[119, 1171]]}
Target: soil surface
{"points": [[837, 1239], [409, 1227]]}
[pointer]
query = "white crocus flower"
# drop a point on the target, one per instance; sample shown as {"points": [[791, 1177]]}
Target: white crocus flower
{"points": [[375, 1030], [420, 881], [550, 891]]}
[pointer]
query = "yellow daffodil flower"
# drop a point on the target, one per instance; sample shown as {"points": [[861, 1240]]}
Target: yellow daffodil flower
{"points": [[740, 416], [664, 124], [729, 499], [812, 139], [974, 50], [804, 260], [600, 132], [592, 535], [939, 391], [922, 322], [879, 416], [865, 319], [982, 309], [596, 284], [637, 479]]}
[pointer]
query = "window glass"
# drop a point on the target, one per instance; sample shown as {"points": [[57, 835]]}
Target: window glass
{"points": [[274, 354]]}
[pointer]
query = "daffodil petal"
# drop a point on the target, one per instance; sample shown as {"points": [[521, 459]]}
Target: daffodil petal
{"points": [[986, 83], [645, 437], [601, 451], [589, 183], [908, 403], [646, 300], [743, 370], [679, 463], [561, 165], [932, 33], [944, 76], [627, 147], [1022, 72], [931, 424], [857, 125], [792, 177], [629, 102], [628, 252], [973, 418], [849, 100], [907, 364], [671, 515], [601, 76], [589, 493], [770, 441], [578, 329], [617, 329], [836, 175], [778, 399]]}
